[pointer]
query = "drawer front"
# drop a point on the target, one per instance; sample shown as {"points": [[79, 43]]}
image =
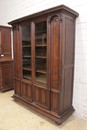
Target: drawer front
{"points": [[5, 57]]}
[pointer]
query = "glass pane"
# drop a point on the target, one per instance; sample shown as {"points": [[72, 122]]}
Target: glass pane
{"points": [[41, 52], [26, 51]]}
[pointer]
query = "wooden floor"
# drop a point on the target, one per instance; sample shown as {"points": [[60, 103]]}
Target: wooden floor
{"points": [[14, 116]]}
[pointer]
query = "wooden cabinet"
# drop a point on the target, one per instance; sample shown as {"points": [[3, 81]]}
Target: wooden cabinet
{"points": [[5, 43], [6, 63], [6, 76], [44, 61]]}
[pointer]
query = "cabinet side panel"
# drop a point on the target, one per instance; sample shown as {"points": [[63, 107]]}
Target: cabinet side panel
{"points": [[69, 42], [68, 87], [68, 62]]}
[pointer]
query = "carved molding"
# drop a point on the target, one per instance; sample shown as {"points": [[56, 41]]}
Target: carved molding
{"points": [[55, 18], [16, 27]]}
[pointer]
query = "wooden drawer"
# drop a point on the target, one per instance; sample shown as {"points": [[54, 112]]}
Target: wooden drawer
{"points": [[5, 57]]}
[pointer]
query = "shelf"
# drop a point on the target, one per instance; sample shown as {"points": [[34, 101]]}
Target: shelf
{"points": [[41, 57], [41, 37], [41, 79], [27, 68], [43, 71], [27, 42], [40, 45], [26, 46], [26, 56], [41, 31], [27, 77]]}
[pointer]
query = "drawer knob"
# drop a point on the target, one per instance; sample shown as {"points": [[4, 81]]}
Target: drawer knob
{"points": [[2, 55]]}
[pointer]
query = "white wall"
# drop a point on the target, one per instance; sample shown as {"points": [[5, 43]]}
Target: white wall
{"points": [[13, 9]]}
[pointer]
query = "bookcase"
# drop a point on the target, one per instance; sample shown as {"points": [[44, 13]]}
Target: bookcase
{"points": [[44, 45]]}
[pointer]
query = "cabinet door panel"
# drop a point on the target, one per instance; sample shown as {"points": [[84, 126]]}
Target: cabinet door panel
{"points": [[5, 44], [41, 96], [26, 91], [54, 101], [6, 41], [7, 75], [41, 52], [41, 83], [26, 52]]}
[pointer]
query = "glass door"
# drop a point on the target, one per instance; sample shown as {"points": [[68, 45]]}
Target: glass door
{"points": [[41, 52], [26, 52], [41, 90]]}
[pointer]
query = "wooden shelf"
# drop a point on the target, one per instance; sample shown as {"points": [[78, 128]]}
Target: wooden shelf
{"points": [[40, 45], [41, 31], [43, 71], [42, 37], [27, 68], [26, 46], [26, 56], [28, 42], [41, 79], [41, 57], [27, 77]]}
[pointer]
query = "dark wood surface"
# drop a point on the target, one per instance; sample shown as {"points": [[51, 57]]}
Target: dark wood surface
{"points": [[6, 63], [5, 44], [45, 12], [6, 76], [50, 88]]}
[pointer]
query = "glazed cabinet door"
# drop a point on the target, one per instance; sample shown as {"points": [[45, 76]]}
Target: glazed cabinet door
{"points": [[26, 60], [41, 82]]}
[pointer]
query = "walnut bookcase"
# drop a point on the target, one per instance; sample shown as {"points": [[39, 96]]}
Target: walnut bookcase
{"points": [[44, 61]]}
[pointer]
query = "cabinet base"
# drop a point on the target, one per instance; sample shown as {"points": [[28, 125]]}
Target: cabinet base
{"points": [[6, 89], [59, 119]]}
